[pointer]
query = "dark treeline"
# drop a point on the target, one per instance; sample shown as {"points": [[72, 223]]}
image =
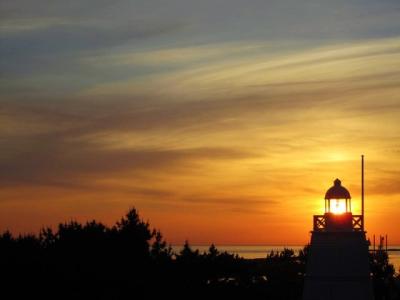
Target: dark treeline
{"points": [[132, 261]]}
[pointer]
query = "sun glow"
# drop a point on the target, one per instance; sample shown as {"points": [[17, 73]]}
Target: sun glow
{"points": [[338, 206]]}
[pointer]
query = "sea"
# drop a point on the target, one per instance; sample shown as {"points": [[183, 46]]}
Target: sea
{"points": [[262, 251]]}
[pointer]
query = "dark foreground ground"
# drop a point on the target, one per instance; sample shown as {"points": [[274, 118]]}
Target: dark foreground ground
{"points": [[131, 261]]}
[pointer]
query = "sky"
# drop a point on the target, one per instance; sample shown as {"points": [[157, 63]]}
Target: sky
{"points": [[221, 121]]}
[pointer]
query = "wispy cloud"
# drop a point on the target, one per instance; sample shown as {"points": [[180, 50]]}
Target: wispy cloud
{"points": [[344, 65]]}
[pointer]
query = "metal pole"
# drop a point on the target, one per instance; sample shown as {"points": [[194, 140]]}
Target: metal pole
{"points": [[362, 191], [386, 242], [374, 242]]}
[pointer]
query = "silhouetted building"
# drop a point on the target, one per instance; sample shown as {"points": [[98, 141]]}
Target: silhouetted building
{"points": [[338, 265]]}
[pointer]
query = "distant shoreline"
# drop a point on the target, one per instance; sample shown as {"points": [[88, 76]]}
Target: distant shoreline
{"points": [[391, 249]]}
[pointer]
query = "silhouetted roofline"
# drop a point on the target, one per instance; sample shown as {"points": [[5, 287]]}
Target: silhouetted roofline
{"points": [[337, 191]]}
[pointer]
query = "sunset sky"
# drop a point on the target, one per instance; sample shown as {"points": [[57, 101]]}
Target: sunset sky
{"points": [[221, 121]]}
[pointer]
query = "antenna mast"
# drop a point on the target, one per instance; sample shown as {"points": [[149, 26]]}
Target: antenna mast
{"points": [[362, 189]]}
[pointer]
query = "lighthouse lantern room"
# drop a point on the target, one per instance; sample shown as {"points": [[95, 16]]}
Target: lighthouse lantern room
{"points": [[338, 215]]}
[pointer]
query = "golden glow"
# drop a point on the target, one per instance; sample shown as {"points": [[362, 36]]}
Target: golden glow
{"points": [[211, 151], [338, 206]]}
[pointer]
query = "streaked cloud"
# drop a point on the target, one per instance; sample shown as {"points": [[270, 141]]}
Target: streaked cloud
{"points": [[356, 64], [173, 56]]}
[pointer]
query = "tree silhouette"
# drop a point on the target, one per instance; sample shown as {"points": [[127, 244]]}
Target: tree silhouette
{"points": [[130, 260], [159, 249], [383, 272]]}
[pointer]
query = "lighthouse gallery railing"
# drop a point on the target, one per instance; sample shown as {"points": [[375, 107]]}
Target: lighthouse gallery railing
{"points": [[321, 222]]}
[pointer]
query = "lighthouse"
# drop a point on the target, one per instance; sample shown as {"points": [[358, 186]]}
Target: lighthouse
{"points": [[338, 263]]}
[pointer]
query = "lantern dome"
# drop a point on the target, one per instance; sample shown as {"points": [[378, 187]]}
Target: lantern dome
{"points": [[337, 191]]}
